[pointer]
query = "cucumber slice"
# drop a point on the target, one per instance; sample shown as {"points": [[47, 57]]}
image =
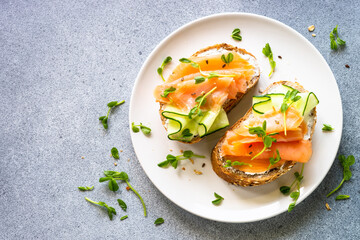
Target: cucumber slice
{"points": [[276, 99], [284, 89], [207, 121], [261, 98], [311, 102], [220, 122], [262, 107], [177, 123]]}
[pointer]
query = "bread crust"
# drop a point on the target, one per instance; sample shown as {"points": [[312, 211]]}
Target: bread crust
{"points": [[244, 179], [229, 103]]}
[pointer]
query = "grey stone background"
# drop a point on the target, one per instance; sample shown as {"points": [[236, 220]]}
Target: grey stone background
{"points": [[62, 61]]}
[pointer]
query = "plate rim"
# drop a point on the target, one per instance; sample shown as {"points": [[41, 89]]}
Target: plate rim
{"points": [[205, 18]]}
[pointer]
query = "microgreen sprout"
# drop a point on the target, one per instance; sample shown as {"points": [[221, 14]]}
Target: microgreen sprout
{"points": [[109, 209], [290, 98], [144, 129], [227, 59], [236, 34], [327, 128], [86, 188], [268, 53], [174, 160], [200, 100], [275, 159], [229, 163], [218, 199], [334, 43], [104, 119], [346, 162], [161, 68]]}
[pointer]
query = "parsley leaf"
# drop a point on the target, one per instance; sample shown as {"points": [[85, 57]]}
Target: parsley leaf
{"points": [[135, 128], [173, 160], [161, 68], [268, 53], [236, 34], [346, 162], [218, 199], [327, 127], [86, 188], [109, 209], [104, 119], [159, 221], [115, 153], [113, 176], [167, 92]]}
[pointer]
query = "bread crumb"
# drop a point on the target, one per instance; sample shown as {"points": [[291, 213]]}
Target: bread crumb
{"points": [[280, 57], [110, 155], [314, 35], [347, 66], [129, 160], [203, 165], [192, 161], [311, 28], [183, 169], [82, 157], [121, 150], [197, 172], [170, 150], [115, 163], [327, 206], [182, 151], [128, 188]]}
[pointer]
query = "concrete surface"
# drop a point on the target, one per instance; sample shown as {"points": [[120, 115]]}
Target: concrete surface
{"points": [[62, 61]]}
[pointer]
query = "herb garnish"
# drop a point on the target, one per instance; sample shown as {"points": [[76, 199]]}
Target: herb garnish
{"points": [[115, 153], [167, 91], [267, 139], [294, 195], [275, 159], [173, 160], [122, 204], [334, 44], [104, 119], [228, 59], [159, 221], [144, 129], [268, 53], [209, 76], [236, 34], [201, 100], [346, 162], [327, 127], [218, 199], [123, 217], [199, 79], [186, 133], [289, 99], [113, 176], [161, 68], [86, 188], [341, 197], [110, 210], [235, 163]]}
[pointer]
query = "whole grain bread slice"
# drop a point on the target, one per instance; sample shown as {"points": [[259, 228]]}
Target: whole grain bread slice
{"points": [[244, 179], [230, 103]]}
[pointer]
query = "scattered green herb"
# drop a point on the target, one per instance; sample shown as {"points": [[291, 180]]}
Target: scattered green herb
{"points": [[268, 53], [159, 221], [267, 139], [86, 188], [290, 98], [294, 195], [161, 68], [167, 92], [113, 176], [346, 162], [335, 40], [275, 159], [228, 59], [115, 153], [327, 127], [199, 79], [104, 119], [174, 160], [218, 199], [110, 210], [186, 133], [200, 100], [342, 197], [236, 34], [122, 204], [123, 217], [144, 129], [235, 163]]}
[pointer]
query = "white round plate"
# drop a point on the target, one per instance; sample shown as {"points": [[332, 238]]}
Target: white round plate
{"points": [[300, 62]]}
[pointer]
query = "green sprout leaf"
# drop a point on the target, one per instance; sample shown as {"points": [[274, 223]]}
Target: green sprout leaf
{"points": [[268, 53], [123, 217], [111, 211], [104, 119], [159, 221], [218, 199], [115, 153], [346, 162], [327, 127], [174, 160], [199, 79], [135, 128], [86, 188], [122, 204], [161, 68], [342, 197], [167, 92], [236, 34], [335, 40]]}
